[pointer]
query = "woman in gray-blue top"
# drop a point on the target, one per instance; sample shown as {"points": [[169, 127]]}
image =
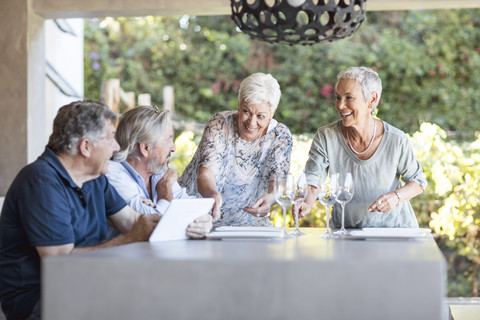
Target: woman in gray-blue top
{"points": [[378, 155]]}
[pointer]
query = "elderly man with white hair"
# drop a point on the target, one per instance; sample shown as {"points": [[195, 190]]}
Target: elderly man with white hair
{"points": [[139, 170]]}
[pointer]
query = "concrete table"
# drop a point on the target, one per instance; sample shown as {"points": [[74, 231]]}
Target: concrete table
{"points": [[300, 278]]}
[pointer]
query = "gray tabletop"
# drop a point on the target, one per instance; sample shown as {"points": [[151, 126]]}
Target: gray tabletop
{"points": [[306, 277]]}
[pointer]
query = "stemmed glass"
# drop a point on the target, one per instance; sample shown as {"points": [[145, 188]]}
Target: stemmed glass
{"points": [[328, 196], [284, 194], [344, 195], [301, 193]]}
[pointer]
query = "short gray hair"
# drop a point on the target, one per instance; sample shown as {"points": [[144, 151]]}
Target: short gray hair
{"points": [[260, 88], [76, 121], [143, 124], [368, 79]]}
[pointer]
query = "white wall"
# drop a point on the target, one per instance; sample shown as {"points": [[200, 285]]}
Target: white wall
{"points": [[65, 52]]}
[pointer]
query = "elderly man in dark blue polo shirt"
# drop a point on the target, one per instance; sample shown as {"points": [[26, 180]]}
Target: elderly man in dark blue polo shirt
{"points": [[60, 204]]}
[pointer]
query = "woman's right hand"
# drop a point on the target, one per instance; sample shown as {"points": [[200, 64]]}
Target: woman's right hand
{"points": [[208, 189], [216, 213]]}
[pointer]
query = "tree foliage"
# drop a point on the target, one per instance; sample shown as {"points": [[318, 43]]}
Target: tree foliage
{"points": [[427, 61], [449, 206]]}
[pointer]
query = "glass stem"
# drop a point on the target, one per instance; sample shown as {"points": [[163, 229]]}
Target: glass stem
{"points": [[284, 219], [343, 217], [296, 221], [327, 211]]}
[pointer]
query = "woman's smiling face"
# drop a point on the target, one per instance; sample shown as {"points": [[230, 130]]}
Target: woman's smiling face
{"points": [[253, 120], [350, 103]]}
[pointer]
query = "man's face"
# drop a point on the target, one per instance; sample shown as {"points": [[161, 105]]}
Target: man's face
{"points": [[161, 152], [103, 150]]}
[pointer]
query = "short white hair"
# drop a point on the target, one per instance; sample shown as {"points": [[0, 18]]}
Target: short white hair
{"points": [[368, 79], [260, 88]]}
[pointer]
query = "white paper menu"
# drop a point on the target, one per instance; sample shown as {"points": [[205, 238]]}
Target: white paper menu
{"points": [[180, 213]]}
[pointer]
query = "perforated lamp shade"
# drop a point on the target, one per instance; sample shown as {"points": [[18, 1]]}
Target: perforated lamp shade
{"points": [[303, 22]]}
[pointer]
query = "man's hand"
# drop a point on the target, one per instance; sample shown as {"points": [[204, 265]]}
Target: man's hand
{"points": [[148, 202], [164, 186], [143, 227], [200, 227]]}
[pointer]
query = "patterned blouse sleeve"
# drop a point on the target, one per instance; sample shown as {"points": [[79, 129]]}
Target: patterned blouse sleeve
{"points": [[279, 158], [213, 143]]}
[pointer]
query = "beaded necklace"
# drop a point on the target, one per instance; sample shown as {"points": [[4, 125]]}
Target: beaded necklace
{"points": [[371, 141]]}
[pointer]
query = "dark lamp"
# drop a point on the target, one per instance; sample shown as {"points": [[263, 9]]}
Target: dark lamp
{"points": [[303, 22]]}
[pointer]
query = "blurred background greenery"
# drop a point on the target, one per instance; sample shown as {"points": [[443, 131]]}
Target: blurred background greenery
{"points": [[428, 62]]}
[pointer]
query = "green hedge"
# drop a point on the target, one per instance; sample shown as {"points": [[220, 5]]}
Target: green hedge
{"points": [[449, 206]]}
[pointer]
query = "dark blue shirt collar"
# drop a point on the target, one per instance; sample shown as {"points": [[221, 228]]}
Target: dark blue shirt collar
{"points": [[51, 158]]}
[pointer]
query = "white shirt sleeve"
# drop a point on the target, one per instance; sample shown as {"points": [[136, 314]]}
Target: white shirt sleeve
{"points": [[177, 192], [128, 188]]}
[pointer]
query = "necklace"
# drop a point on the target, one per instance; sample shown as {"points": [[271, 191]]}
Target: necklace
{"points": [[371, 140]]}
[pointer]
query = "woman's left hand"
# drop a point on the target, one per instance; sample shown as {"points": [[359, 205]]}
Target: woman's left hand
{"points": [[385, 203], [302, 210], [261, 207]]}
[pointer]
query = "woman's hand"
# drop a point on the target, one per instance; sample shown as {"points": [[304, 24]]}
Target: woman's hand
{"points": [[200, 227], [216, 213], [208, 189], [302, 210], [261, 207], [385, 203]]}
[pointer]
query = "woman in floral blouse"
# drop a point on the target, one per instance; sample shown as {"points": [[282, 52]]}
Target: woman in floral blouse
{"points": [[240, 154]]}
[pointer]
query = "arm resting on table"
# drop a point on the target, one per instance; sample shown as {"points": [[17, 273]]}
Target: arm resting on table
{"points": [[137, 227]]}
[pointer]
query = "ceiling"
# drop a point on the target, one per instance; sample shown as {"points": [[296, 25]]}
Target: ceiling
{"points": [[100, 8]]}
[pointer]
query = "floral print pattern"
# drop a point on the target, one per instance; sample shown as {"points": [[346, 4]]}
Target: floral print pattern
{"points": [[242, 169]]}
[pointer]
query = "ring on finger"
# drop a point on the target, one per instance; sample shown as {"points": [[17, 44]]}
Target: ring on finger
{"points": [[379, 202]]}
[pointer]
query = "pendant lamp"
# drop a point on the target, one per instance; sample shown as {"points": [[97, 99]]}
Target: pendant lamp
{"points": [[303, 22]]}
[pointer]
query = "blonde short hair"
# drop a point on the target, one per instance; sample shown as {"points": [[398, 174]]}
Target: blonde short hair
{"points": [[143, 124]]}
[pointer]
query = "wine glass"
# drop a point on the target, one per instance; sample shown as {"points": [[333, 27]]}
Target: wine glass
{"points": [[284, 194], [328, 196], [301, 193], [344, 195]]}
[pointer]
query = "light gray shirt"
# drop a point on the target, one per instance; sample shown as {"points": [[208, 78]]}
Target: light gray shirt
{"points": [[392, 163]]}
